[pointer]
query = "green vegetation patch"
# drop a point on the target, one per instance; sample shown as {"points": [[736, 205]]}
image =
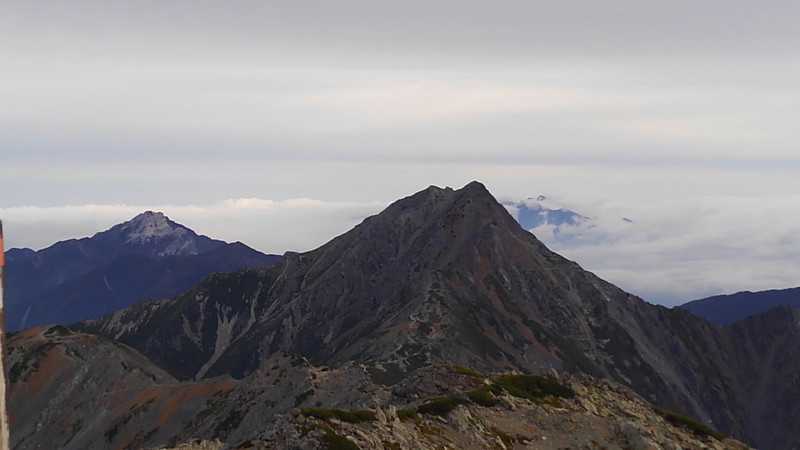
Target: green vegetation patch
{"points": [[350, 416], [483, 396], [694, 426], [406, 413], [465, 371], [439, 406], [533, 387], [336, 442]]}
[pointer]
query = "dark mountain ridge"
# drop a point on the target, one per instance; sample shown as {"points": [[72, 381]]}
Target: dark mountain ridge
{"points": [[731, 308], [149, 256], [150, 233], [448, 276]]}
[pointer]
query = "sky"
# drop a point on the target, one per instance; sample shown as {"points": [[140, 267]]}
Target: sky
{"points": [[284, 124]]}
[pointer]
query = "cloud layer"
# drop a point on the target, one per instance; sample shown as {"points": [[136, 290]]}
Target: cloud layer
{"points": [[672, 252], [267, 225], [669, 252]]}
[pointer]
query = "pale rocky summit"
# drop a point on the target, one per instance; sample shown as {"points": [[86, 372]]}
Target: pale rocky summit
{"points": [[152, 232]]}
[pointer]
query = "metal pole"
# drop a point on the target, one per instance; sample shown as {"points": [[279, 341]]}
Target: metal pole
{"points": [[4, 432]]}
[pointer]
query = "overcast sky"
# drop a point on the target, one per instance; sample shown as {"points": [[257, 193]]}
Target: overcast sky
{"points": [[283, 124]]}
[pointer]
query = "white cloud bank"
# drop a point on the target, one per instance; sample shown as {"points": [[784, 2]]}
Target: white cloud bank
{"points": [[671, 252], [267, 225], [675, 251]]}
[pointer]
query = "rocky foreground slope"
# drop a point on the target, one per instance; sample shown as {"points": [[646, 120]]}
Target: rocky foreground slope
{"points": [[74, 391]]}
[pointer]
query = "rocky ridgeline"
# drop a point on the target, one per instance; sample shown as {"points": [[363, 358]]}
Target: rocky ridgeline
{"points": [[601, 415], [291, 403], [443, 412]]}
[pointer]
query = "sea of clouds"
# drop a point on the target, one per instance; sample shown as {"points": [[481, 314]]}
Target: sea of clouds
{"points": [[666, 252]]}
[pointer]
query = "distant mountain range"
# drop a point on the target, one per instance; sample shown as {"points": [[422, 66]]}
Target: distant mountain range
{"points": [[532, 213], [728, 309], [149, 256], [536, 213]]}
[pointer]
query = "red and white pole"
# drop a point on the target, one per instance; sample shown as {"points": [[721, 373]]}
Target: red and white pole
{"points": [[4, 439]]}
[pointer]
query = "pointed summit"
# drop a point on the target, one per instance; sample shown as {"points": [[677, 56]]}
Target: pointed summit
{"points": [[443, 213], [434, 194], [403, 287], [476, 187], [150, 217], [155, 234], [151, 224]]}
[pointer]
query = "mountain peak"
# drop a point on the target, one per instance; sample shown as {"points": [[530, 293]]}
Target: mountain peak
{"points": [[476, 186], [149, 215], [433, 209], [150, 224], [473, 188], [476, 191], [152, 232]]}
